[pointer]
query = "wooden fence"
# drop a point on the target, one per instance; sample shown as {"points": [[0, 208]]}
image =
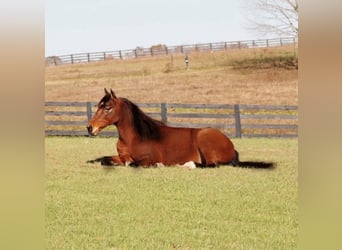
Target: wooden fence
{"points": [[161, 49], [71, 118]]}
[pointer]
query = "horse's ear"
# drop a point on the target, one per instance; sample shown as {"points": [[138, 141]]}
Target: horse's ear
{"points": [[106, 91], [113, 94]]}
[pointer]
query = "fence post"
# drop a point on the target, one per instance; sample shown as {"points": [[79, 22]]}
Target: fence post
{"points": [[89, 113], [72, 59], [237, 121], [163, 112]]}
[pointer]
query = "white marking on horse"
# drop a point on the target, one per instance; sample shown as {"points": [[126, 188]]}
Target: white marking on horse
{"points": [[189, 165]]}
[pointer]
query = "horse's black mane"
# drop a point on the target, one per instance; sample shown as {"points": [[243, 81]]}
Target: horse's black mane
{"points": [[145, 126]]}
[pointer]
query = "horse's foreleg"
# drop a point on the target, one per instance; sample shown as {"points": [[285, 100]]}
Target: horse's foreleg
{"points": [[112, 161], [124, 157], [115, 161]]}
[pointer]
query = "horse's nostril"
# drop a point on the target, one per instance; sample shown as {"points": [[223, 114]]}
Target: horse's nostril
{"points": [[90, 129]]}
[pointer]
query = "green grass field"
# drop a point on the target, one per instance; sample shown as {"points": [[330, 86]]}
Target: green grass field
{"points": [[89, 207]]}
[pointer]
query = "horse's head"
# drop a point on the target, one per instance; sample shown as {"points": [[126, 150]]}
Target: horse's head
{"points": [[107, 113]]}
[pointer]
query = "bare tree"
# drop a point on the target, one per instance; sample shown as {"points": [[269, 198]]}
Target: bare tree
{"points": [[273, 17]]}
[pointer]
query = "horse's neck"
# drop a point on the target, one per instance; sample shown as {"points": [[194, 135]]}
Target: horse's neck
{"points": [[126, 130]]}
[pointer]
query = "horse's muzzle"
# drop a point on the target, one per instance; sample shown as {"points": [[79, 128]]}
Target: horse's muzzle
{"points": [[90, 129], [93, 130]]}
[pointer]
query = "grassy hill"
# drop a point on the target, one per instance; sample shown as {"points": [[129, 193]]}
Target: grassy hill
{"points": [[246, 76]]}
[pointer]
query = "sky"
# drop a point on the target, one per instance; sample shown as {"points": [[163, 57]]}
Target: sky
{"points": [[82, 26]]}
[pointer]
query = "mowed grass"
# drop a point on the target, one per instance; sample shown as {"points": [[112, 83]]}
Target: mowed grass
{"points": [[89, 207]]}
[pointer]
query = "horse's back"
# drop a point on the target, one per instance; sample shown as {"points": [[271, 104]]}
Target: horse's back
{"points": [[215, 147]]}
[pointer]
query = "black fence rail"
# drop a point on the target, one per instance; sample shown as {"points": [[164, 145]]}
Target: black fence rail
{"points": [[161, 49], [71, 118]]}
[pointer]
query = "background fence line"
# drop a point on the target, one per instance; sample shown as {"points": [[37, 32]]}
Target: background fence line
{"points": [[161, 49], [235, 120]]}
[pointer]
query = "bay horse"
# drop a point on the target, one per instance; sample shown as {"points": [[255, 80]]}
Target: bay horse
{"points": [[145, 142]]}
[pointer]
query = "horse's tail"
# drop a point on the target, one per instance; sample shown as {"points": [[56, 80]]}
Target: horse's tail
{"points": [[251, 164]]}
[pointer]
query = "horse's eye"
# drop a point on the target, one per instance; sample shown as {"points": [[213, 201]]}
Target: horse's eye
{"points": [[108, 108]]}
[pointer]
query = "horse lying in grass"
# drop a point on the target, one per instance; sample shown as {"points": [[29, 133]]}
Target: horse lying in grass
{"points": [[146, 142]]}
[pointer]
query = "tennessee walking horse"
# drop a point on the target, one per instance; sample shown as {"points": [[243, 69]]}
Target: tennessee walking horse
{"points": [[144, 141]]}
